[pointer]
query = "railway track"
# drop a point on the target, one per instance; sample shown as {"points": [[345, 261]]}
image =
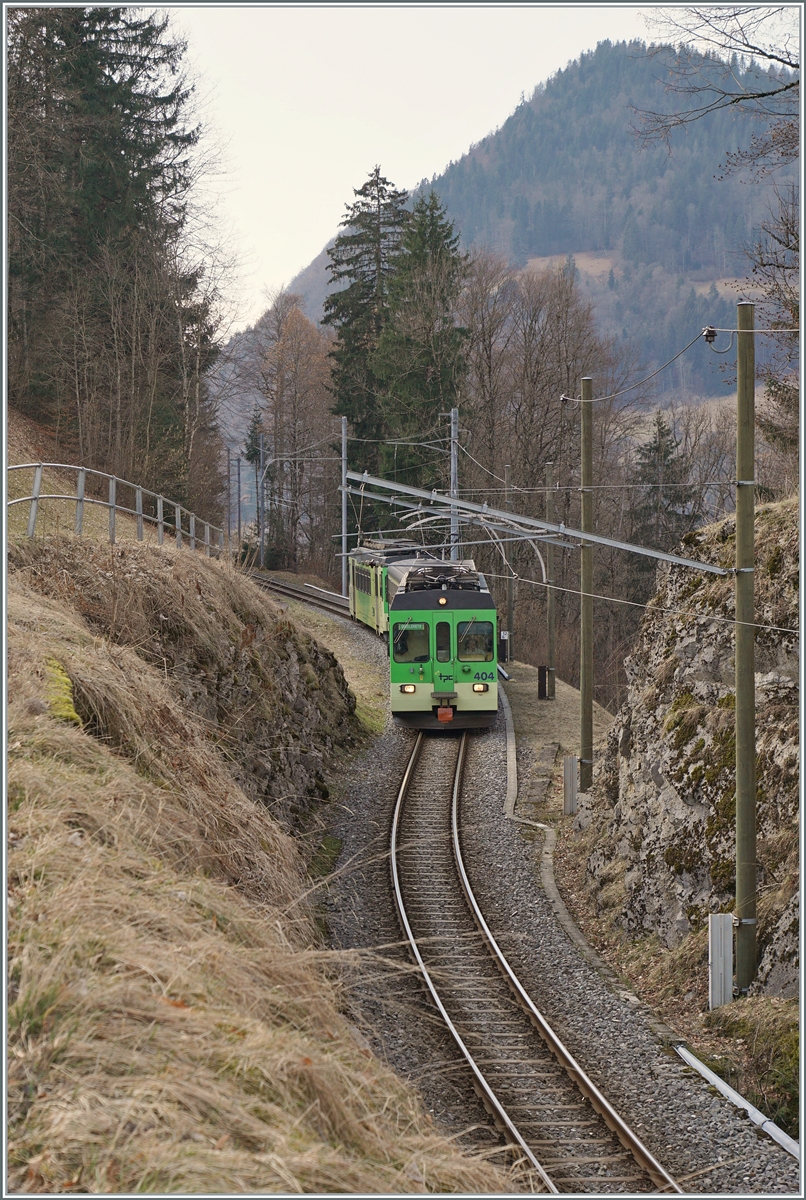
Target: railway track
{"points": [[306, 593], [567, 1136]]}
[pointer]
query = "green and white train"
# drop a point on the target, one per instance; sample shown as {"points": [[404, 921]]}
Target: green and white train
{"points": [[439, 621]]}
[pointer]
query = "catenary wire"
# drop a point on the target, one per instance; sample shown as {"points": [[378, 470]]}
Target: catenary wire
{"points": [[598, 487], [597, 595], [680, 612], [633, 386], [486, 470]]}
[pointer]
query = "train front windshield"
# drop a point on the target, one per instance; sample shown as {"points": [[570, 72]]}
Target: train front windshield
{"points": [[474, 641], [410, 642]]}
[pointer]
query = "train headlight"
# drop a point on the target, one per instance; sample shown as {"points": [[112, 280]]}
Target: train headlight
{"points": [[481, 687], [443, 599], [409, 688]]}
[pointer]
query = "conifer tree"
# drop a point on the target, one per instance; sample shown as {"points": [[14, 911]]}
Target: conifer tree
{"points": [[110, 325], [420, 356], [362, 262], [665, 510], [252, 446]]}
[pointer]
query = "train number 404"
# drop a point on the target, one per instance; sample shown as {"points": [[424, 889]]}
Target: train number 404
{"points": [[484, 675]]}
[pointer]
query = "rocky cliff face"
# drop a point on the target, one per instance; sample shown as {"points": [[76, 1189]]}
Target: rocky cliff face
{"points": [[265, 692], [661, 813]]}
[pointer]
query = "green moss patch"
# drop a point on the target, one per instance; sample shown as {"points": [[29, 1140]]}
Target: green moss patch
{"points": [[324, 860], [59, 692], [763, 1064]]}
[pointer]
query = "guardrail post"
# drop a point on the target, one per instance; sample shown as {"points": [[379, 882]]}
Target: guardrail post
{"points": [[178, 521], [138, 506], [160, 522], [80, 486], [35, 500], [193, 531], [207, 539], [112, 504], [720, 959]]}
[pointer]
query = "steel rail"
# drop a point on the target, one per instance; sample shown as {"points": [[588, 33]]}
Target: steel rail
{"points": [[487, 1092], [338, 605], [629, 1140]]}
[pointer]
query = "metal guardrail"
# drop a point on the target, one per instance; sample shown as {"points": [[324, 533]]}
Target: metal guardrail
{"points": [[176, 528]]}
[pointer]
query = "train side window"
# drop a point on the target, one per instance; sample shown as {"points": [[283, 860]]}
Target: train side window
{"points": [[474, 641], [410, 641], [443, 641]]}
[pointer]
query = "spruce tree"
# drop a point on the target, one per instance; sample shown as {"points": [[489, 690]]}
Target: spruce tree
{"points": [[664, 510], [251, 450], [362, 263], [110, 330], [420, 357]]}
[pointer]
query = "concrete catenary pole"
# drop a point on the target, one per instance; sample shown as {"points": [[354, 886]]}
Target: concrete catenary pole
{"points": [[261, 508], [238, 466], [454, 482], [551, 630], [745, 656], [229, 501], [511, 579], [586, 588], [344, 506]]}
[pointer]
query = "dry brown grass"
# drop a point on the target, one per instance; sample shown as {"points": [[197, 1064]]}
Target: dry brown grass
{"points": [[268, 698], [172, 1025]]}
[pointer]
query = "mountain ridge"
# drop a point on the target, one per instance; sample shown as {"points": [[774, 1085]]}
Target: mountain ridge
{"points": [[669, 224]]}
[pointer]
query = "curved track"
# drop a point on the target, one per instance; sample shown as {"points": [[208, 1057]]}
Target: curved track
{"points": [[568, 1136], [306, 593]]}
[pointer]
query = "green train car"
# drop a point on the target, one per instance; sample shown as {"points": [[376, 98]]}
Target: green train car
{"points": [[439, 620], [368, 568]]}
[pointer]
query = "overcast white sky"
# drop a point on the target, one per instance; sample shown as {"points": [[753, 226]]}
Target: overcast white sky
{"points": [[307, 98]]}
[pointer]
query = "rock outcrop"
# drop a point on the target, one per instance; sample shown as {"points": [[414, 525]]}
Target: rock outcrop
{"points": [[264, 691], [662, 810]]}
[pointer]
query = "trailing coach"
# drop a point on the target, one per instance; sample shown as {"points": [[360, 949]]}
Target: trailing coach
{"points": [[439, 621]]}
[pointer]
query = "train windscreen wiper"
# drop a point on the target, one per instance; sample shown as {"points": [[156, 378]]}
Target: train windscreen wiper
{"points": [[398, 636], [467, 631]]}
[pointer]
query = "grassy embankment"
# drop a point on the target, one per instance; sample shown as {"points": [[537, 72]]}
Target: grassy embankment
{"points": [[174, 1020]]}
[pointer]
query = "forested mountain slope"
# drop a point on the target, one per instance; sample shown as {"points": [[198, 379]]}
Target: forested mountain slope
{"points": [[566, 174]]}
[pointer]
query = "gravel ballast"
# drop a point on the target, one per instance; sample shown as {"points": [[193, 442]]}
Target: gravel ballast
{"points": [[701, 1139], [709, 1146]]}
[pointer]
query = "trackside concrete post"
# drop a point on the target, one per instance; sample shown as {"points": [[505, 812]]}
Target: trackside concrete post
{"points": [[745, 655], [344, 506], [510, 579], [454, 483], [586, 589], [550, 617]]}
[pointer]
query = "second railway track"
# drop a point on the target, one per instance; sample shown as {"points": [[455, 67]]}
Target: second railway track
{"points": [[568, 1136], [306, 593]]}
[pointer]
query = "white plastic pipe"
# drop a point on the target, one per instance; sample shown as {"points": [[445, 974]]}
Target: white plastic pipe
{"points": [[756, 1116]]}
